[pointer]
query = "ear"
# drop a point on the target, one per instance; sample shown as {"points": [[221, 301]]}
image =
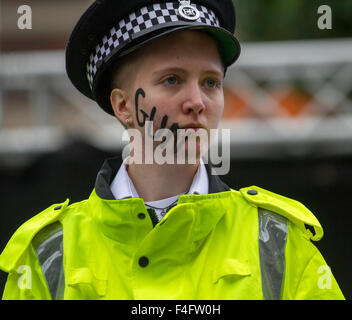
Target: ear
{"points": [[119, 103]]}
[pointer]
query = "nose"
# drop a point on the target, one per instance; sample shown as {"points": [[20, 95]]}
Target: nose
{"points": [[193, 101]]}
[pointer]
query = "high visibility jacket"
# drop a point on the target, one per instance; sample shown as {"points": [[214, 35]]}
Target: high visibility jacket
{"points": [[246, 244]]}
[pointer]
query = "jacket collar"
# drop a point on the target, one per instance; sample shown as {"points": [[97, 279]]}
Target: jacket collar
{"points": [[112, 165], [181, 233]]}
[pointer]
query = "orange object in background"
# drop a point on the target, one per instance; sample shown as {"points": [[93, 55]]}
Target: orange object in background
{"points": [[293, 102], [236, 106]]}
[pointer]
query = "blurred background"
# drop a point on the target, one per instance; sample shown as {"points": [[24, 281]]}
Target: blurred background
{"points": [[288, 105]]}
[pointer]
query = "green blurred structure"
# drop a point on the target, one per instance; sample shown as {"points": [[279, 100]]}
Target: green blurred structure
{"points": [[274, 20]]}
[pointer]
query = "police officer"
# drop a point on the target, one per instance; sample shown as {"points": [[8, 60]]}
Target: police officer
{"points": [[171, 231]]}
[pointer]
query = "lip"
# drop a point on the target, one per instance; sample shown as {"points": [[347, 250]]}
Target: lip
{"points": [[194, 126]]}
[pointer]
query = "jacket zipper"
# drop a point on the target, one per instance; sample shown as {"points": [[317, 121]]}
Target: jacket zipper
{"points": [[153, 217]]}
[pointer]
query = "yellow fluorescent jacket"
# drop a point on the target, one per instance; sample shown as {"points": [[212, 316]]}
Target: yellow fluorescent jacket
{"points": [[247, 244]]}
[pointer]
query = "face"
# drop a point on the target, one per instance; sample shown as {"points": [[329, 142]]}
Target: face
{"points": [[178, 84]]}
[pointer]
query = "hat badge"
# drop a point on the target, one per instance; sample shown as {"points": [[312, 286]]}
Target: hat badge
{"points": [[187, 11]]}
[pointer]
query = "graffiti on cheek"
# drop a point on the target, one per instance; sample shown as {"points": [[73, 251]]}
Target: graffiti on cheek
{"points": [[143, 116], [141, 123]]}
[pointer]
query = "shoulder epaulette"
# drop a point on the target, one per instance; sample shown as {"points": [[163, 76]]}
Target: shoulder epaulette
{"points": [[291, 209]]}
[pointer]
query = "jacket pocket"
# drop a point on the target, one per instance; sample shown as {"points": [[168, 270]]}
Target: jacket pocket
{"points": [[231, 269], [89, 286]]}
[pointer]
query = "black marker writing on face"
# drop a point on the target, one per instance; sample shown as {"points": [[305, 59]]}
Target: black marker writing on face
{"points": [[140, 92], [141, 123]]}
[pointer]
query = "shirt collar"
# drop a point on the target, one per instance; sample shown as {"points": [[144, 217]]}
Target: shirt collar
{"points": [[111, 166], [122, 186], [200, 184]]}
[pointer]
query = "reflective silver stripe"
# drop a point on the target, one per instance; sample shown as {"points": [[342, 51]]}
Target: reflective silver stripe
{"points": [[273, 230], [48, 244]]}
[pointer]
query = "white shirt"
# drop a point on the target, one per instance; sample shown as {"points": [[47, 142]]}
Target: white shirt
{"points": [[122, 187]]}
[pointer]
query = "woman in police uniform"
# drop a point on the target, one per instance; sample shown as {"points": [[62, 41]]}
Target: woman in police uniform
{"points": [[171, 231]]}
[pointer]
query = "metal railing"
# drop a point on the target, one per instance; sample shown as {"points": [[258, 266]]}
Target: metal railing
{"points": [[265, 75]]}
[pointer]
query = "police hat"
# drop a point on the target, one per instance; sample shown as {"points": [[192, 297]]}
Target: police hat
{"points": [[110, 29]]}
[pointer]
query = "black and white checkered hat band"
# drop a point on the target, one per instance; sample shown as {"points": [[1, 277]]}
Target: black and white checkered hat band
{"points": [[143, 19]]}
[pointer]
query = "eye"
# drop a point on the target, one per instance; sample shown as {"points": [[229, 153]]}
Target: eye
{"points": [[171, 81], [212, 83]]}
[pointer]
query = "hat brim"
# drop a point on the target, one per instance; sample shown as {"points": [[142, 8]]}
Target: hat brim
{"points": [[228, 45]]}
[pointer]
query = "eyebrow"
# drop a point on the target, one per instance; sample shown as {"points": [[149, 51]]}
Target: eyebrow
{"points": [[180, 70]]}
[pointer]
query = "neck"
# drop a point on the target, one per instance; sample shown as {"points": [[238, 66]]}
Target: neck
{"points": [[155, 182]]}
